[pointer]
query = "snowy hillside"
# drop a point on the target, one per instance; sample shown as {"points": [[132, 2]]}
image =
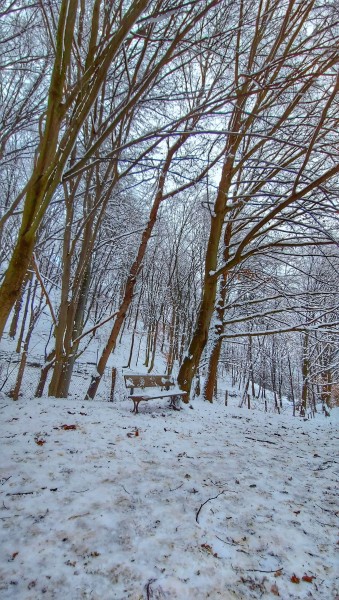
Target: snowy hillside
{"points": [[209, 502]]}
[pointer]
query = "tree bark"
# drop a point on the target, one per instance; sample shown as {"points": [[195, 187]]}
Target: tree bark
{"points": [[191, 361], [219, 328]]}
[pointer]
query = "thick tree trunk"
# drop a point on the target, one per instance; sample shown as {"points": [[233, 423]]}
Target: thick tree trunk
{"points": [[212, 373], [66, 348], [191, 361], [65, 376], [212, 370]]}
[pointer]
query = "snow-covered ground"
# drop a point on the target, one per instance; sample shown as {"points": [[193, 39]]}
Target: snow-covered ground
{"points": [[208, 502]]}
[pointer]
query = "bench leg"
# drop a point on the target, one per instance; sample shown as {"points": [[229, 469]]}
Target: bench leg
{"points": [[173, 403], [136, 404]]}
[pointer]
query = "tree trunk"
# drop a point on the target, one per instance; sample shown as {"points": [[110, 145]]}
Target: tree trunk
{"points": [[305, 376], [43, 374], [148, 344], [33, 314], [67, 347], [134, 331], [219, 328], [212, 370], [17, 309], [14, 277], [191, 362], [24, 318], [154, 345]]}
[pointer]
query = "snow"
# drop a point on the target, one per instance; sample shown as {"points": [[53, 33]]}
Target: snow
{"points": [[209, 502]]}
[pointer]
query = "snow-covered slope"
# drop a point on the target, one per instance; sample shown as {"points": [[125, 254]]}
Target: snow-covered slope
{"points": [[208, 502]]}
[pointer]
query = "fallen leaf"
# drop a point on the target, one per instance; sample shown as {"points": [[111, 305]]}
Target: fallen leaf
{"points": [[295, 579], [308, 578], [39, 441], [68, 427], [31, 584], [278, 573], [274, 590], [133, 433], [207, 547]]}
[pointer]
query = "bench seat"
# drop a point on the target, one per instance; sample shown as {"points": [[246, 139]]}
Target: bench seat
{"points": [[150, 387]]}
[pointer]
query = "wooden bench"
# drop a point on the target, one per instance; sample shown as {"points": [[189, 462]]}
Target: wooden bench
{"points": [[156, 386]]}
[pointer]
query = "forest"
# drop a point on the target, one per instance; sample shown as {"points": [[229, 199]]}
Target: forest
{"points": [[169, 182]]}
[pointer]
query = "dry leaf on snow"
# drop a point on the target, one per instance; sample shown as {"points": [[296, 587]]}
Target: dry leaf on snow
{"points": [[308, 578], [275, 590]]}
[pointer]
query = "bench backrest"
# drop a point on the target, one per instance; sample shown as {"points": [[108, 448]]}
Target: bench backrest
{"points": [[144, 381]]}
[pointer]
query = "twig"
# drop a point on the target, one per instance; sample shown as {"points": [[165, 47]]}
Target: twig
{"points": [[324, 524], [148, 588], [5, 479], [260, 571], [179, 486], [203, 504], [224, 541], [20, 493], [92, 329], [332, 512], [263, 441], [78, 516]]}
